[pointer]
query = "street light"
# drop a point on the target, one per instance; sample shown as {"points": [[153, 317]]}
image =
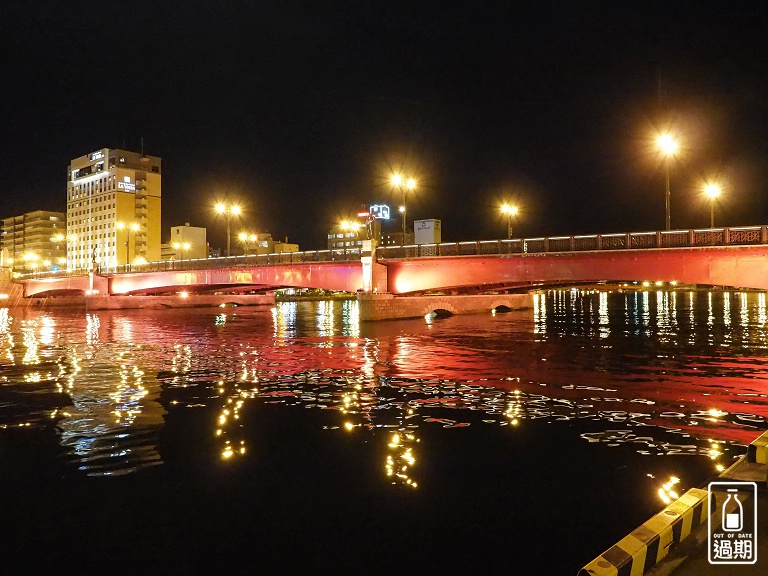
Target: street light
{"points": [[405, 185], [230, 211], [132, 227], [712, 191], [668, 147], [181, 247], [248, 239], [509, 210]]}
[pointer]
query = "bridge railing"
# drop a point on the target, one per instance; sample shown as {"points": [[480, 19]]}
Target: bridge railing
{"points": [[742, 235], [337, 255]]}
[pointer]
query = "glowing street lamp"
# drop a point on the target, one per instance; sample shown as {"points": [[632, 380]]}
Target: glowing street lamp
{"points": [[509, 210], [712, 191], [405, 185], [668, 147], [247, 239], [132, 227], [229, 211], [181, 247]]}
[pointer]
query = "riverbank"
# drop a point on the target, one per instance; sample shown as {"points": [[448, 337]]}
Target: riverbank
{"points": [[182, 300]]}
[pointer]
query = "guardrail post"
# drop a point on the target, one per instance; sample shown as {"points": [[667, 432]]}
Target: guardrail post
{"points": [[477, 248], [658, 239], [599, 242], [726, 236], [763, 234], [572, 244], [546, 244], [691, 238], [628, 241]]}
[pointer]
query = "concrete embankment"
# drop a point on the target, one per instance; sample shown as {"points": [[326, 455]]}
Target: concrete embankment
{"points": [[385, 306], [675, 541], [102, 302]]}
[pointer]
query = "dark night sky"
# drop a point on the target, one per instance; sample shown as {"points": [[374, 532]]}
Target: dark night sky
{"points": [[300, 112]]}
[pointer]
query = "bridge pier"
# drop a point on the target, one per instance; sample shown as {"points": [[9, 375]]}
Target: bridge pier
{"points": [[385, 306]]}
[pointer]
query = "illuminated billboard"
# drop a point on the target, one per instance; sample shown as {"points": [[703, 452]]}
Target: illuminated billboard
{"points": [[380, 211]]}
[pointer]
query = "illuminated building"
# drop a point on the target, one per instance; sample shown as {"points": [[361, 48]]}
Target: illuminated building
{"points": [[349, 234], [34, 241], [105, 188], [186, 242], [396, 239], [263, 243]]}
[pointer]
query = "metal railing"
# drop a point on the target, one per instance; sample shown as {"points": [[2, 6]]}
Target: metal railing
{"points": [[338, 255], [743, 235]]}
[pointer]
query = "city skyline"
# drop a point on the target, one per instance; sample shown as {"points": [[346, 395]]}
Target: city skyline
{"points": [[302, 115]]}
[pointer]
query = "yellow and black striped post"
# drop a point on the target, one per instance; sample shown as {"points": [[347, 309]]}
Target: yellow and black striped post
{"points": [[649, 543], [757, 451]]}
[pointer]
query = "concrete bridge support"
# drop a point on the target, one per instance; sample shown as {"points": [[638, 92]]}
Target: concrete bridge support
{"points": [[375, 307]]}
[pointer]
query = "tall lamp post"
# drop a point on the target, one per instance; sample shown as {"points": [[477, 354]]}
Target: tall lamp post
{"points": [[668, 147], [229, 211], [132, 227], [509, 210], [712, 191], [405, 185]]}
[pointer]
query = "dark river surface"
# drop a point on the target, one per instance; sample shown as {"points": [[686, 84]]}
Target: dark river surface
{"points": [[299, 440]]}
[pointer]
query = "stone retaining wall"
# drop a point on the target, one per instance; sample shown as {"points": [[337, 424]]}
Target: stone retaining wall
{"points": [[390, 307], [105, 302]]}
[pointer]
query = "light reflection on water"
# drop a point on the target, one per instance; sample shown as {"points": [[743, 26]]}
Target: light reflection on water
{"points": [[662, 373]]}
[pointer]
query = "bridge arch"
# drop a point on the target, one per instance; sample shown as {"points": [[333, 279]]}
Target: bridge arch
{"points": [[439, 313]]}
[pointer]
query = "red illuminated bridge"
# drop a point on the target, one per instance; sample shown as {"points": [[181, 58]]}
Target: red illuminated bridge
{"points": [[734, 257]]}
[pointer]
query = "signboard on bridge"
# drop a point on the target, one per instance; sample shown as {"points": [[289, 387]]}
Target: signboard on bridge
{"points": [[427, 231]]}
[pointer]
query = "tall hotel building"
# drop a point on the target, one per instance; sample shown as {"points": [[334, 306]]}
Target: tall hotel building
{"points": [[113, 209], [33, 241]]}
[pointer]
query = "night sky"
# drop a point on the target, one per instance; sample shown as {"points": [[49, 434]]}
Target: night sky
{"points": [[300, 111]]}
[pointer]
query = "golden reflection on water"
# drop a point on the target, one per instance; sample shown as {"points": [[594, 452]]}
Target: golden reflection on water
{"points": [[92, 329], [743, 310], [602, 311], [401, 458], [232, 396], [515, 409], [540, 312], [29, 339], [97, 391], [129, 393], [670, 490], [284, 316], [326, 318], [350, 318]]}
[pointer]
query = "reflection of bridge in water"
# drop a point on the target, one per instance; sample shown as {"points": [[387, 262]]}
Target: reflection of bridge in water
{"points": [[107, 391]]}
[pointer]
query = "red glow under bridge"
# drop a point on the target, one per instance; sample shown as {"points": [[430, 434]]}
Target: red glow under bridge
{"points": [[734, 257]]}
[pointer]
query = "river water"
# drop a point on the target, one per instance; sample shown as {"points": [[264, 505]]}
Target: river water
{"points": [[299, 439]]}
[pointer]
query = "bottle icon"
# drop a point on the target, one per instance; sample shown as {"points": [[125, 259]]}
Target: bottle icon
{"points": [[733, 521]]}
